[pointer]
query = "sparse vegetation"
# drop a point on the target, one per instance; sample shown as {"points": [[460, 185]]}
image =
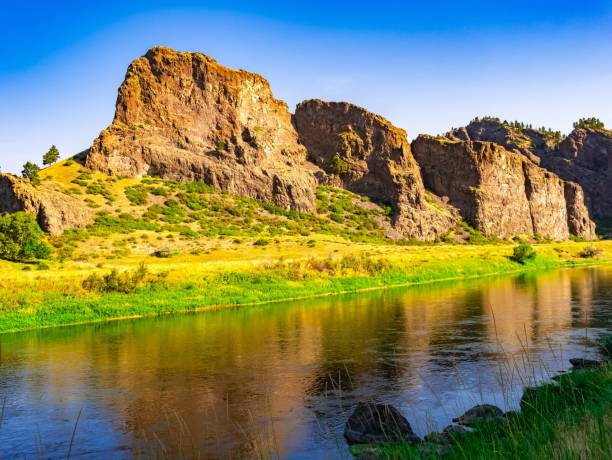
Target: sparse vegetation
{"points": [[590, 252], [592, 123]]}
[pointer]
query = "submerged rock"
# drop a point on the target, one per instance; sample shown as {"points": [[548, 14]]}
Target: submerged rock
{"points": [[374, 423], [481, 413]]}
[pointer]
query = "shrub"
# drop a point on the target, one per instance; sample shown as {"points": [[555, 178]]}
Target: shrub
{"points": [[590, 252], [21, 238], [123, 282], [261, 242], [163, 253], [339, 166], [137, 195], [523, 253]]}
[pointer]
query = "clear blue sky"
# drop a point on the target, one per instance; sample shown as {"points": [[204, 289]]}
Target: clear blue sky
{"points": [[426, 66]]}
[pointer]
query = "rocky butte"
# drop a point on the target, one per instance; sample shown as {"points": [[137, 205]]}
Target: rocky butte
{"points": [[184, 116]]}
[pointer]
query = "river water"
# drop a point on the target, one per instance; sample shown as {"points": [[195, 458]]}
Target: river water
{"points": [[279, 381]]}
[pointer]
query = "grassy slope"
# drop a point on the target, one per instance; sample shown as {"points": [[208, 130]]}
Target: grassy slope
{"points": [[230, 251]]}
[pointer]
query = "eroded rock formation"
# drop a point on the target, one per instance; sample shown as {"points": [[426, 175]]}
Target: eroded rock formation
{"points": [[584, 157], [54, 211], [184, 116], [499, 192], [367, 155]]}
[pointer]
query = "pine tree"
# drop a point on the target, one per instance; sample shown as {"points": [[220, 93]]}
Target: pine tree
{"points": [[30, 171], [51, 156]]}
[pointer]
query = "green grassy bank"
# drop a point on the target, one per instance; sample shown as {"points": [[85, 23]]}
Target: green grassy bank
{"points": [[60, 295], [567, 419]]}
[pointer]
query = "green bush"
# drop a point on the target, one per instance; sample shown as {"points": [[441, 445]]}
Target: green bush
{"points": [[21, 239], [338, 165], [523, 253], [137, 195]]}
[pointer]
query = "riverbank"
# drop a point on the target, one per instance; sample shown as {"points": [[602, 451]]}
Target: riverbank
{"points": [[568, 418], [58, 295]]}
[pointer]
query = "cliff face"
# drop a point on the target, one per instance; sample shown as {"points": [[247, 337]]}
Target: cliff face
{"points": [[584, 157], [184, 116], [366, 154], [54, 211], [499, 192]]}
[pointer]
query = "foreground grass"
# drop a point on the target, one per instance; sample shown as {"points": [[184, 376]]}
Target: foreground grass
{"points": [[567, 419], [232, 277]]}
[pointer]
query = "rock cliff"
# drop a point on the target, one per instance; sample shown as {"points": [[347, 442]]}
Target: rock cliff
{"points": [[366, 154], [584, 157], [184, 116], [499, 192], [54, 211]]}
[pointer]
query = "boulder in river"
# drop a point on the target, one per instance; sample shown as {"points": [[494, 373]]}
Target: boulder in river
{"points": [[582, 363], [481, 413], [374, 423]]}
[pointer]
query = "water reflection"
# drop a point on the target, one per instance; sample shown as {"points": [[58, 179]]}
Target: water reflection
{"points": [[279, 380]]}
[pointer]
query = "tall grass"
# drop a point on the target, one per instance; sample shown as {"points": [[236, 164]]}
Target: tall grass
{"points": [[112, 295]]}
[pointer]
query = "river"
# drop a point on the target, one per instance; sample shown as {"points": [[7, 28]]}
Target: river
{"points": [[280, 380]]}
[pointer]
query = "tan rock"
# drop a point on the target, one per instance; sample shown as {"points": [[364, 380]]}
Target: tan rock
{"points": [[367, 155], [54, 211], [501, 193], [183, 116]]}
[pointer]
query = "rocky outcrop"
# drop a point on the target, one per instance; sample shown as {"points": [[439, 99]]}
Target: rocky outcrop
{"points": [[54, 211], [532, 143], [183, 116], [583, 157], [501, 193], [367, 155], [578, 220]]}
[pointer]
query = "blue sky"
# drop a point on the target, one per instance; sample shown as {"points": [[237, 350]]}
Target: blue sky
{"points": [[426, 66]]}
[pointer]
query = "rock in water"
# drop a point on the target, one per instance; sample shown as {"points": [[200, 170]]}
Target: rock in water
{"points": [[582, 363], [501, 193], [367, 155], [480, 414], [374, 423], [183, 116], [54, 211]]}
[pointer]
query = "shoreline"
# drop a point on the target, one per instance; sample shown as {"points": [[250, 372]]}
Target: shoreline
{"points": [[568, 413], [237, 289]]}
